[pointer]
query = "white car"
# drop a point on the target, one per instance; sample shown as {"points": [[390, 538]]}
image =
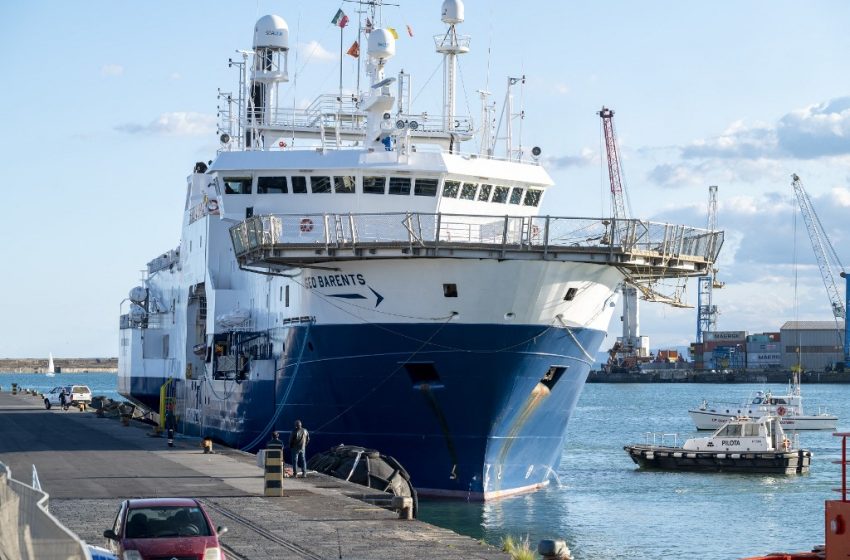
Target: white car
{"points": [[68, 395]]}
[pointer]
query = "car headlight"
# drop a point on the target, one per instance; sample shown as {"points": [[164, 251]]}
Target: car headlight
{"points": [[132, 555], [212, 554]]}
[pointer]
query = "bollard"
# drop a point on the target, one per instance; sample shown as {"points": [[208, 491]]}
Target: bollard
{"points": [[14, 388], [404, 506], [207, 444], [553, 550], [273, 483]]}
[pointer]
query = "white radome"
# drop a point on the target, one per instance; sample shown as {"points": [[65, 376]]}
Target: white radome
{"points": [[138, 294], [452, 11], [381, 44], [271, 32]]}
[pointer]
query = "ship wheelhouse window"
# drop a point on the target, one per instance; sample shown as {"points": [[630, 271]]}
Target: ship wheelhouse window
{"points": [[271, 185], [237, 185], [516, 195], [320, 185], [484, 192], [425, 187], [374, 185], [450, 189], [344, 184], [468, 191], [399, 185], [500, 195], [751, 430], [532, 197], [299, 184], [732, 430]]}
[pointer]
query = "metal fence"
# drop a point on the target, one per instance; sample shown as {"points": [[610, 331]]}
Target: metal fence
{"points": [[27, 529], [535, 233]]}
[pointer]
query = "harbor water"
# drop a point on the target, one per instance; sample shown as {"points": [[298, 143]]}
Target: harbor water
{"points": [[604, 507]]}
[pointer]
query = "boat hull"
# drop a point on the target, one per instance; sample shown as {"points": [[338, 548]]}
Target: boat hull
{"points": [[678, 459], [711, 420]]}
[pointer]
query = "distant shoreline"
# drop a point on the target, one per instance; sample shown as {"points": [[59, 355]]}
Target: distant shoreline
{"points": [[62, 365]]}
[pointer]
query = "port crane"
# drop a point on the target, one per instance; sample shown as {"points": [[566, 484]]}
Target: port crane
{"points": [[826, 257], [706, 310]]}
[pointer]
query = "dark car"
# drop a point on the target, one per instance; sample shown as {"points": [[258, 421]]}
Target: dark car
{"points": [[167, 528]]}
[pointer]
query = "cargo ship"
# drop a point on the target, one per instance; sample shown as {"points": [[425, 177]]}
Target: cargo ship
{"points": [[351, 265]]}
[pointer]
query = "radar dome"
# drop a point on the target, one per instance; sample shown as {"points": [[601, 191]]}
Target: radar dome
{"points": [[381, 44], [137, 313], [452, 11], [138, 294], [271, 32]]}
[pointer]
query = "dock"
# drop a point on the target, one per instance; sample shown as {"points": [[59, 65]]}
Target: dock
{"points": [[88, 465]]}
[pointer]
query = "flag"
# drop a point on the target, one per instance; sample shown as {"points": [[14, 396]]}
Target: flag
{"points": [[410, 30], [393, 32], [354, 50], [369, 27], [340, 19]]}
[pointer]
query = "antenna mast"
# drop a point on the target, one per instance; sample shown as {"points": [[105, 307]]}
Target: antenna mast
{"points": [[450, 45]]}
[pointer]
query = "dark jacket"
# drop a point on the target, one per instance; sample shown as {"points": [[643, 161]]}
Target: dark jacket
{"points": [[299, 439]]}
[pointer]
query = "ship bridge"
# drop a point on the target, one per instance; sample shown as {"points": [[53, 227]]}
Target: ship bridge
{"points": [[643, 250]]}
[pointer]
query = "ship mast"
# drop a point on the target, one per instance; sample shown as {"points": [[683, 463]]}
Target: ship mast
{"points": [[450, 45]]}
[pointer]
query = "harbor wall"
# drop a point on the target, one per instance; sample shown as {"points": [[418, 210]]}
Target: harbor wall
{"points": [[707, 376], [63, 365]]}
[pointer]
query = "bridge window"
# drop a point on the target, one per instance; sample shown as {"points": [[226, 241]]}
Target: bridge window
{"points": [[399, 185], [374, 185], [500, 195], [271, 185], [344, 184], [320, 185], [571, 294], [299, 184], [484, 193], [516, 195], [733, 430], [468, 191], [450, 189], [425, 187], [237, 185], [532, 197]]}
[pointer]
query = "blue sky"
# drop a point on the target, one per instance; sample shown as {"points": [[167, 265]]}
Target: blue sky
{"points": [[107, 108]]}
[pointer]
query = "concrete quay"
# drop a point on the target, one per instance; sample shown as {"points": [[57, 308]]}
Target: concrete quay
{"points": [[88, 465]]}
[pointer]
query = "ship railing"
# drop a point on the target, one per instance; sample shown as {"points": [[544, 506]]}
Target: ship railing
{"points": [[642, 243], [661, 439]]}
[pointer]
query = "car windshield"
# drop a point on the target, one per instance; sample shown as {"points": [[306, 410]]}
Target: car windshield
{"points": [[81, 389], [166, 521]]}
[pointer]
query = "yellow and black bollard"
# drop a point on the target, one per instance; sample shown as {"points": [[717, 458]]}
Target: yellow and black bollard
{"points": [[273, 463], [14, 388]]}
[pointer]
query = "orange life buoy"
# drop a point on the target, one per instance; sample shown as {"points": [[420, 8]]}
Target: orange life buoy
{"points": [[306, 225], [282, 144], [780, 411]]}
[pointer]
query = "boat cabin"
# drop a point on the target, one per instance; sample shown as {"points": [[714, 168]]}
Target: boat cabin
{"points": [[744, 434]]}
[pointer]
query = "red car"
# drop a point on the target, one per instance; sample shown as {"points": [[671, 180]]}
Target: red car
{"points": [[164, 528]]}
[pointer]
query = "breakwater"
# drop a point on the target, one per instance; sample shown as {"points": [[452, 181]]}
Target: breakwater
{"points": [[698, 376], [64, 365]]}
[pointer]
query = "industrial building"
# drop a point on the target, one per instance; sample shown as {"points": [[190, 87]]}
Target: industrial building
{"points": [[815, 345]]}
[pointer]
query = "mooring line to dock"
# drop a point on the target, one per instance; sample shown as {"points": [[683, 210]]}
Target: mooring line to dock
{"points": [[289, 545]]}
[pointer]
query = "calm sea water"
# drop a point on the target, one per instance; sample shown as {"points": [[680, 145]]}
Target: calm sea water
{"points": [[604, 507]]}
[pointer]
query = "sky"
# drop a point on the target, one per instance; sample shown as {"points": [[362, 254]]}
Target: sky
{"points": [[108, 107]]}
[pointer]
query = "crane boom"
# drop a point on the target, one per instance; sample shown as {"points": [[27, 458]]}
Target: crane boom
{"points": [[822, 247], [617, 191]]}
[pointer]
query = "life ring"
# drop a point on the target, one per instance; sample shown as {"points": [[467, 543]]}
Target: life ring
{"points": [[212, 206], [786, 444], [306, 225], [780, 411], [282, 144]]}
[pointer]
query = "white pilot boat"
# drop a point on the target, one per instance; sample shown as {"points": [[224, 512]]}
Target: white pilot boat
{"points": [[742, 444], [788, 407]]}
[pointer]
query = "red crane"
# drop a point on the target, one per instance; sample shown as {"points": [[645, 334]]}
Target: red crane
{"points": [[617, 190]]}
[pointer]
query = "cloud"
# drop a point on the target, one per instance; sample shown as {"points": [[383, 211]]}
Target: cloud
{"points": [[174, 76], [561, 89], [315, 52], [692, 173], [173, 124], [111, 70], [586, 157]]}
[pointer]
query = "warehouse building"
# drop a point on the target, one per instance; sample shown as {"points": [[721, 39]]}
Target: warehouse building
{"points": [[815, 345]]}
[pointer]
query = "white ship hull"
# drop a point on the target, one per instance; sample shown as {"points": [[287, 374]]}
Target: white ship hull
{"points": [[707, 420]]}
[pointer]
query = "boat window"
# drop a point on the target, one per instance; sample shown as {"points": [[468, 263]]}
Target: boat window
{"points": [[344, 184], [425, 187], [757, 400], [532, 197], [778, 401], [374, 185], [500, 195], [271, 185], [571, 294], [732, 430], [320, 185], [450, 290], [399, 185], [516, 195], [468, 191], [450, 189], [484, 192], [751, 430], [237, 185], [299, 184]]}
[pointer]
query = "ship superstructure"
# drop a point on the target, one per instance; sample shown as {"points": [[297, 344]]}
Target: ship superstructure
{"points": [[349, 265]]}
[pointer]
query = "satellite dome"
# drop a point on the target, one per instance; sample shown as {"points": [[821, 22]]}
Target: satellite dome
{"points": [[452, 11], [381, 44], [271, 32], [137, 313], [138, 294]]}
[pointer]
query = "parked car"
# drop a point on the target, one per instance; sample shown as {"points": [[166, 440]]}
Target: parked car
{"points": [[67, 395], [164, 528]]}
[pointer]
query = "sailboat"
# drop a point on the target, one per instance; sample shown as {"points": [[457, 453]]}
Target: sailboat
{"points": [[51, 369]]}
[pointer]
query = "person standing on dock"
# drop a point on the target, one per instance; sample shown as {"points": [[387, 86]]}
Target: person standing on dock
{"points": [[298, 440], [170, 424]]}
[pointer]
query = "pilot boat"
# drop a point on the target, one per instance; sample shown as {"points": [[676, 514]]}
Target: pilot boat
{"points": [[351, 265], [742, 444]]}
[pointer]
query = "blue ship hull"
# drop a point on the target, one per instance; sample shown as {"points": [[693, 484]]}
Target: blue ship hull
{"points": [[474, 411]]}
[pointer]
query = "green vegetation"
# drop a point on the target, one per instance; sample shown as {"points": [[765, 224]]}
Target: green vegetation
{"points": [[519, 549]]}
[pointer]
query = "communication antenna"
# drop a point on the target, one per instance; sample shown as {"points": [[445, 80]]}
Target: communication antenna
{"points": [[450, 44]]}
